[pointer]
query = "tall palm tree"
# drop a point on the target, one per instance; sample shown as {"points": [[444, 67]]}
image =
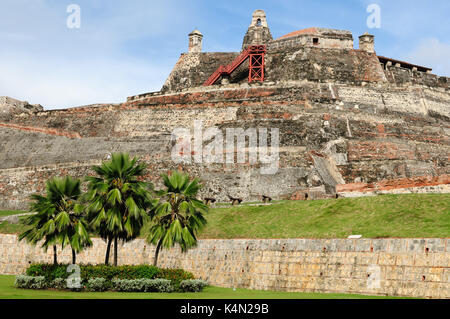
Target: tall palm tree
{"points": [[59, 218], [177, 216], [45, 214], [118, 201]]}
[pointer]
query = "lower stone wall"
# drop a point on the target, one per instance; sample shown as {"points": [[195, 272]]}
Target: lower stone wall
{"points": [[418, 267]]}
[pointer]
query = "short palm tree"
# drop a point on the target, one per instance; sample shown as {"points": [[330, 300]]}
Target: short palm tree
{"points": [[118, 200], [59, 218], [177, 216]]}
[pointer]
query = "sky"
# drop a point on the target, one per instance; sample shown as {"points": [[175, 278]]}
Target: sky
{"points": [[128, 47]]}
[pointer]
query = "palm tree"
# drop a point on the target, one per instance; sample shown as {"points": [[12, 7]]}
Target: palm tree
{"points": [[118, 201], [59, 218], [177, 216], [44, 216]]}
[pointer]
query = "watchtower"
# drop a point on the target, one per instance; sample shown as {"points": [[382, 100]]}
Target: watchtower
{"points": [[258, 32], [367, 43], [195, 41]]}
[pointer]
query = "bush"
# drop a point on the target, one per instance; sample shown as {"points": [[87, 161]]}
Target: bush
{"points": [[128, 285], [142, 285], [97, 284], [58, 283], [51, 272], [168, 279], [193, 285], [176, 276], [158, 285], [29, 282]]}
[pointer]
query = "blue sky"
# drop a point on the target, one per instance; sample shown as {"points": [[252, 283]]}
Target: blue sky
{"points": [[129, 47]]}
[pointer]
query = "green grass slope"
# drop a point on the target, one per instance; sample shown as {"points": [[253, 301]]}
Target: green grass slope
{"points": [[411, 215]]}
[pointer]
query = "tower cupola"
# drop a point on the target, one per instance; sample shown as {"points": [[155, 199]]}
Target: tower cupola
{"points": [[195, 41], [258, 32]]}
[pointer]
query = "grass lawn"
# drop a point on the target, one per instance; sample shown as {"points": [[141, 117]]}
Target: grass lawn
{"points": [[7, 291], [410, 215]]}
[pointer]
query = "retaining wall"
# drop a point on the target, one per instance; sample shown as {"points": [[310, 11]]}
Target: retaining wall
{"points": [[418, 267]]}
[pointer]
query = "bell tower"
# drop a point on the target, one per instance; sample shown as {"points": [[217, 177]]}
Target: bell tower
{"points": [[258, 32]]}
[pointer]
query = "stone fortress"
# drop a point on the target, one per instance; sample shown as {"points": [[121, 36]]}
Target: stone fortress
{"points": [[350, 122]]}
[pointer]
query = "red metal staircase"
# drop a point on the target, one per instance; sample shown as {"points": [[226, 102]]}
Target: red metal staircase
{"points": [[255, 54]]}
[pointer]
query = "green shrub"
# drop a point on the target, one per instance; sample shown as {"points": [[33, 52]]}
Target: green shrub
{"points": [[193, 285], [176, 276], [97, 284], [58, 283], [128, 285], [29, 282], [142, 285], [127, 272], [158, 285], [51, 272], [22, 281]]}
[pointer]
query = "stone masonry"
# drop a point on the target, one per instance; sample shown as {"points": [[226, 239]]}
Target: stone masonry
{"points": [[417, 267], [344, 118]]}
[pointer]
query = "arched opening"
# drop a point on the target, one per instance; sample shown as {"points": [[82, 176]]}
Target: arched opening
{"points": [[258, 22]]}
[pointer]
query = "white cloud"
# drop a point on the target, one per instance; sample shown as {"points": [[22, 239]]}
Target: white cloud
{"points": [[432, 53], [116, 52], [58, 84]]}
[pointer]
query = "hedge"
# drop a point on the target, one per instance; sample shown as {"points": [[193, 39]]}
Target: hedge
{"points": [[29, 282], [142, 285], [51, 272], [176, 276], [101, 284], [193, 285], [98, 284]]}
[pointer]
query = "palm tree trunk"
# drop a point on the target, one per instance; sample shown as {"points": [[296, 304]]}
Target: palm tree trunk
{"points": [[158, 248], [115, 251], [108, 249], [74, 257], [55, 257]]}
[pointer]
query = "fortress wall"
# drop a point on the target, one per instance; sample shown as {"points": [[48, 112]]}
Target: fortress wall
{"points": [[343, 42], [16, 185], [89, 121], [192, 69], [422, 184], [286, 60], [367, 132], [411, 100], [417, 267], [406, 77], [144, 122], [324, 65]]}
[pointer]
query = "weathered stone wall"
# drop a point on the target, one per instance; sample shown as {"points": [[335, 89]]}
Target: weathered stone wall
{"points": [[287, 63], [327, 38], [193, 69], [406, 77], [329, 134], [417, 267], [422, 184]]}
